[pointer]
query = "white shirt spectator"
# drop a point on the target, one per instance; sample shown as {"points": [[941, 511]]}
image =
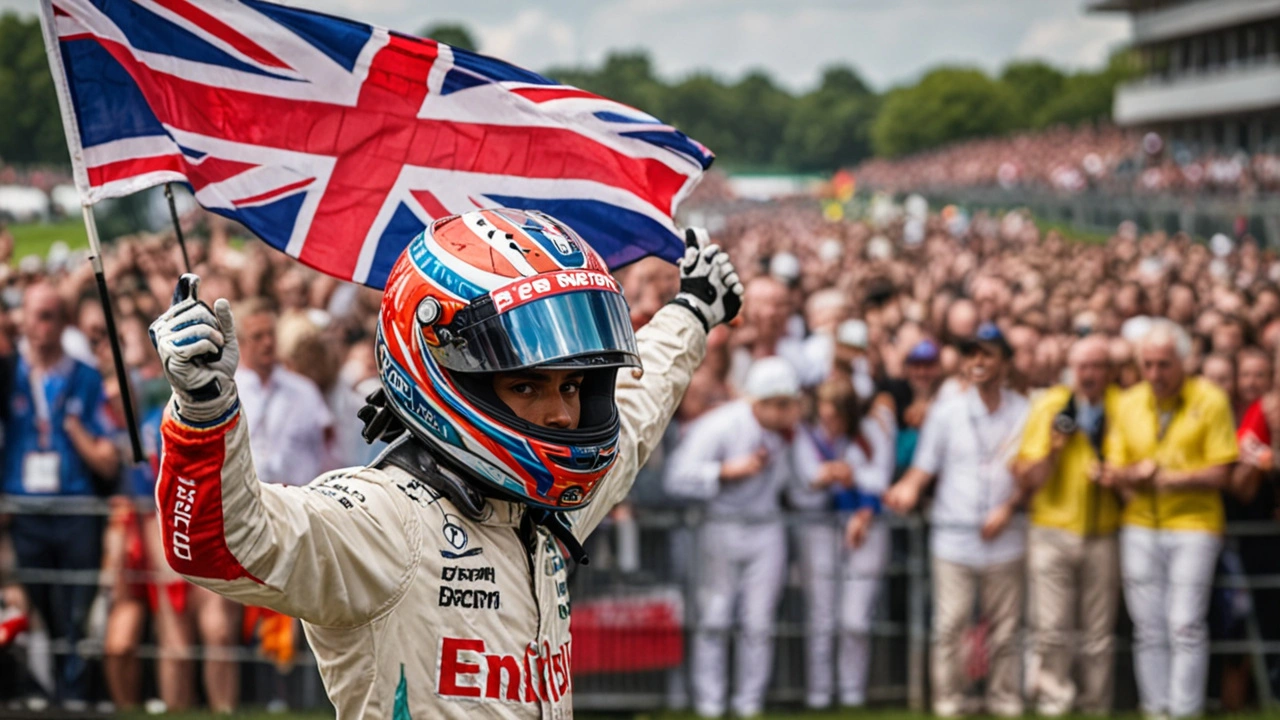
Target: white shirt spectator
{"points": [[288, 426], [969, 450], [728, 432]]}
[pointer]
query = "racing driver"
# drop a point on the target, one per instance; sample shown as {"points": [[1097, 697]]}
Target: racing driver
{"points": [[519, 405]]}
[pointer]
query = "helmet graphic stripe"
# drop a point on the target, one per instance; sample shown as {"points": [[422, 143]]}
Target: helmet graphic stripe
{"points": [[484, 225], [518, 241]]}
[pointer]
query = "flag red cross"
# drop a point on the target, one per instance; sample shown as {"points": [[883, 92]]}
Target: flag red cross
{"points": [[372, 141]]}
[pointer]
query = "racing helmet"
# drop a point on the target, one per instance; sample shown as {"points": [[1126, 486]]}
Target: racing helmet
{"points": [[502, 290]]}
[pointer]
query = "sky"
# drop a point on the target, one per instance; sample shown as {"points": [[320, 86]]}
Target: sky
{"points": [[889, 42]]}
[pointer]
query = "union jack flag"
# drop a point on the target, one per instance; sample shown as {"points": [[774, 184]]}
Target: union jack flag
{"points": [[338, 142]]}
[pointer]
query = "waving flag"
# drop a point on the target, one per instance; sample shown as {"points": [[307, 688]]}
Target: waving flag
{"points": [[337, 142]]}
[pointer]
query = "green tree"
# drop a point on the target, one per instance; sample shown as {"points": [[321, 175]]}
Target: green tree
{"points": [[1087, 96], [703, 108], [1035, 84], [31, 131], [454, 35], [831, 126], [948, 104], [760, 111]]}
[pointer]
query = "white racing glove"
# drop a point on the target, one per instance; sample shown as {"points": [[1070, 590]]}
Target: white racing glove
{"points": [[709, 285], [199, 353]]}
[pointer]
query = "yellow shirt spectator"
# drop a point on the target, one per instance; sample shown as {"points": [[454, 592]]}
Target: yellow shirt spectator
{"points": [[1200, 433], [1069, 500]]}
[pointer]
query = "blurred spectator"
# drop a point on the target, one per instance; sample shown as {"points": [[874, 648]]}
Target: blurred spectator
{"points": [[1073, 561], [852, 356], [1124, 366], [979, 541], [1254, 377], [738, 458], [57, 450], [288, 417], [1170, 450], [766, 306], [846, 459], [912, 397], [1220, 369], [824, 311], [313, 355]]}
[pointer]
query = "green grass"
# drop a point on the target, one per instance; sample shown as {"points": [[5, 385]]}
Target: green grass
{"points": [[35, 238]]}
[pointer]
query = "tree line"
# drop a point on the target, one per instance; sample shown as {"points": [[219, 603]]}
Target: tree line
{"points": [[752, 123]]}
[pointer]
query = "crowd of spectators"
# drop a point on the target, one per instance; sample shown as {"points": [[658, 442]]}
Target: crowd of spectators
{"points": [[1068, 160], [1067, 413]]}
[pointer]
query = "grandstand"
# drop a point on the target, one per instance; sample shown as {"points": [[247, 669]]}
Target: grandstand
{"points": [[1211, 71]]}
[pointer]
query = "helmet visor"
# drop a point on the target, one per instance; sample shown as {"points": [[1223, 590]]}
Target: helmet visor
{"points": [[589, 328]]}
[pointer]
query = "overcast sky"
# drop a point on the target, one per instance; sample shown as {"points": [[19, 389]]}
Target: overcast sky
{"points": [[888, 42]]}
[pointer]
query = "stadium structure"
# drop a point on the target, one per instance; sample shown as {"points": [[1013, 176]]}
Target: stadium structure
{"points": [[1211, 71]]}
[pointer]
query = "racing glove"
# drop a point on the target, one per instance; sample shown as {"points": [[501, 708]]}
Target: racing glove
{"points": [[199, 353], [709, 285]]}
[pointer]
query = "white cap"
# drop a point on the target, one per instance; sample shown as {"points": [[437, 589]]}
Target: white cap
{"points": [[784, 266], [31, 265], [1221, 245], [852, 333], [830, 250], [771, 377], [879, 247], [58, 255]]}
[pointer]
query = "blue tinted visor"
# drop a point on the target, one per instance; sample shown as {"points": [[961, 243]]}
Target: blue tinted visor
{"points": [[583, 329]]}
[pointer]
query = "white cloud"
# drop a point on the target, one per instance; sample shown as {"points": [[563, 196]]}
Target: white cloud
{"points": [[533, 36], [1075, 41]]}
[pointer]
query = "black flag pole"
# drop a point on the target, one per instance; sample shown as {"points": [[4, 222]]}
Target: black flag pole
{"points": [[177, 225], [122, 376]]}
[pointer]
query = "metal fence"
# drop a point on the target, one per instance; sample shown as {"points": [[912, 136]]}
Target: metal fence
{"points": [[635, 611]]}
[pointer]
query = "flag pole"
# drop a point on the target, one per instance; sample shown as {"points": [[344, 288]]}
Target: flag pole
{"points": [[122, 377], [177, 225]]}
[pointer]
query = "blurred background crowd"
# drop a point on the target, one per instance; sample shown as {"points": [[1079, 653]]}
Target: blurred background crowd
{"points": [[1068, 161], [854, 334], [1025, 471]]}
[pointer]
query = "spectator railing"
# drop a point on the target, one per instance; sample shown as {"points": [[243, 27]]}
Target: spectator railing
{"points": [[635, 611]]}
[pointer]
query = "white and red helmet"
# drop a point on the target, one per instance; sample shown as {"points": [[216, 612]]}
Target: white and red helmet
{"points": [[496, 291]]}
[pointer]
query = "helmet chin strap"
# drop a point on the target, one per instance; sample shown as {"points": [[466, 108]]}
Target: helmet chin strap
{"points": [[380, 423]]}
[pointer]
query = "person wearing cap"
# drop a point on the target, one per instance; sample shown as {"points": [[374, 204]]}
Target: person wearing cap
{"points": [[1170, 452], [738, 459], [1073, 559], [912, 395], [978, 541]]}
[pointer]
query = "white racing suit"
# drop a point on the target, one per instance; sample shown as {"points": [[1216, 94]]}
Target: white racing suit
{"points": [[412, 609]]}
